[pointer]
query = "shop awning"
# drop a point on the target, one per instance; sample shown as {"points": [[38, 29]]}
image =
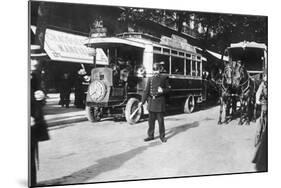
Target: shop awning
{"points": [[218, 56], [62, 46]]}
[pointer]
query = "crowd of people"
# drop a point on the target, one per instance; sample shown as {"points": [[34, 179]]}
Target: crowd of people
{"points": [[80, 87]]}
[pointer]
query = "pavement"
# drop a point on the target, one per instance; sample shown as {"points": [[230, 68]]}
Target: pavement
{"points": [[56, 115], [114, 150]]}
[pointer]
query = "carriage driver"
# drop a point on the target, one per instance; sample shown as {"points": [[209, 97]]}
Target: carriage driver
{"points": [[156, 88]]}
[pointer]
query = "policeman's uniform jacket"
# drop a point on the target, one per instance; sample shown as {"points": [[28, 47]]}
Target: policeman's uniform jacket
{"points": [[156, 100]]}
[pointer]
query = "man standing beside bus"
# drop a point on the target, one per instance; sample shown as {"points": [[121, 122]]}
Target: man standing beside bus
{"points": [[156, 89]]}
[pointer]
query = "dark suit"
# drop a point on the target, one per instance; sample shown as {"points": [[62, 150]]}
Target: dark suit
{"points": [[38, 131], [156, 102]]}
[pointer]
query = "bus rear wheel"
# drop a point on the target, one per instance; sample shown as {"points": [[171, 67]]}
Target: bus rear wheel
{"points": [[131, 116], [92, 114], [189, 105]]}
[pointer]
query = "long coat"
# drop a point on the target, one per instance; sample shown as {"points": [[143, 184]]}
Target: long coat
{"points": [[156, 100], [39, 131]]}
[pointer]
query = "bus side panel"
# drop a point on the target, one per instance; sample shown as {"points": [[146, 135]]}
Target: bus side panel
{"points": [[182, 88]]}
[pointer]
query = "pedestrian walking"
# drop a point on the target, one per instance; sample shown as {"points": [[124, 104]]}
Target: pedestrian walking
{"points": [[38, 131], [155, 91], [79, 93], [65, 90]]}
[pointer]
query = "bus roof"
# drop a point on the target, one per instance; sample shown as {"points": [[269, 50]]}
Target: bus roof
{"points": [[138, 39], [113, 41]]}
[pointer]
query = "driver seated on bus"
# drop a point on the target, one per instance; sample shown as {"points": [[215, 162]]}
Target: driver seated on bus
{"points": [[125, 71], [115, 71]]}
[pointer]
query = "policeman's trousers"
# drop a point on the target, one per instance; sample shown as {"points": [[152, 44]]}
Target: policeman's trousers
{"points": [[151, 123]]}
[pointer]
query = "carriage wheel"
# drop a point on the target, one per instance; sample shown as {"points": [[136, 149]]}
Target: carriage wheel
{"points": [[189, 105], [92, 114], [131, 106]]}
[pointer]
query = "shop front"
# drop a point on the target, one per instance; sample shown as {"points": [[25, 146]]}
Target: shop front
{"points": [[67, 54]]}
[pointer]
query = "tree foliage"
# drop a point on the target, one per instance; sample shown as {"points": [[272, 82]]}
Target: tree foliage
{"points": [[219, 30], [215, 31], [169, 18]]}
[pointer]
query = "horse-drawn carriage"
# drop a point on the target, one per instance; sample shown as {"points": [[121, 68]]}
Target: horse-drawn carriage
{"points": [[240, 80]]}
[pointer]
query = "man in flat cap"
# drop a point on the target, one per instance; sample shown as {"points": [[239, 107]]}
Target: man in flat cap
{"points": [[156, 88]]}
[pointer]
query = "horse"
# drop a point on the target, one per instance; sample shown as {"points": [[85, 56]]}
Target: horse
{"points": [[246, 90], [227, 94]]}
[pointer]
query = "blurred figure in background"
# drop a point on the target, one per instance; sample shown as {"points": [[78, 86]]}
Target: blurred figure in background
{"points": [[80, 95], [65, 90], [38, 131]]}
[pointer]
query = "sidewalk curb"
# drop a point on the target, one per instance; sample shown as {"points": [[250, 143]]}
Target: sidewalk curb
{"points": [[65, 121]]}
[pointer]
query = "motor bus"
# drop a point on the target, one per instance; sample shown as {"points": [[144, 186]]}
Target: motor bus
{"points": [[115, 90]]}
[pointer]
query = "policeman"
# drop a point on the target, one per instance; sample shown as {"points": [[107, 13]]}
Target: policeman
{"points": [[156, 89]]}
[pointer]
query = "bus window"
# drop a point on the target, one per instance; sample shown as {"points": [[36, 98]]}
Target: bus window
{"points": [[166, 51], [165, 67], [198, 68], [193, 68], [177, 65], [157, 49], [174, 52], [181, 54], [188, 70]]}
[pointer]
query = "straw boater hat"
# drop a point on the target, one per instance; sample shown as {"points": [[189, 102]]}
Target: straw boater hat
{"points": [[36, 51]]}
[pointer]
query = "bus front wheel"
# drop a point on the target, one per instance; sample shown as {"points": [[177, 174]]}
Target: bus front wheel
{"points": [[189, 104], [132, 113]]}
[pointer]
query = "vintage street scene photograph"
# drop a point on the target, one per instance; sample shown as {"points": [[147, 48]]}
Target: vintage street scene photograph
{"points": [[120, 93]]}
